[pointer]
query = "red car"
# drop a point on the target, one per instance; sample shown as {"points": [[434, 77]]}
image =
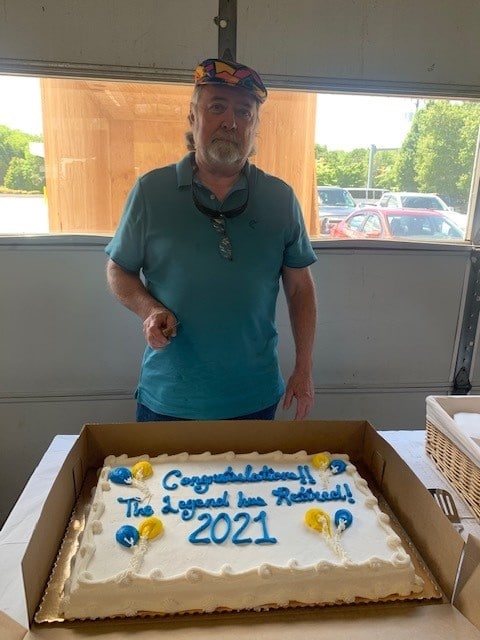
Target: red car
{"points": [[396, 224]]}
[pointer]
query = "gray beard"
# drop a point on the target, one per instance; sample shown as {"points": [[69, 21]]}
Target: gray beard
{"points": [[224, 152]]}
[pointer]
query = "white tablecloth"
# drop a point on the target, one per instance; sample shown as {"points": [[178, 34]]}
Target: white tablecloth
{"points": [[16, 532]]}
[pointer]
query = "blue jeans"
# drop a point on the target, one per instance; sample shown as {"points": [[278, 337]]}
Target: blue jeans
{"points": [[144, 414]]}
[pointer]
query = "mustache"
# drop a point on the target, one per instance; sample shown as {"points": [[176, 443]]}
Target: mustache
{"points": [[226, 138]]}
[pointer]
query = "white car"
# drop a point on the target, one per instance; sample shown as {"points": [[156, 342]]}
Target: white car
{"points": [[415, 200]]}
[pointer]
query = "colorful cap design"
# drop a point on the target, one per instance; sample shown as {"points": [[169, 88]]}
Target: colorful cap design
{"points": [[233, 74]]}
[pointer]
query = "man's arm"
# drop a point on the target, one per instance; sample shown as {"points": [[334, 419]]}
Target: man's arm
{"points": [[159, 323], [300, 294]]}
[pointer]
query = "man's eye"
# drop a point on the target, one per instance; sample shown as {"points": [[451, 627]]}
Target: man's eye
{"points": [[217, 107], [245, 114]]}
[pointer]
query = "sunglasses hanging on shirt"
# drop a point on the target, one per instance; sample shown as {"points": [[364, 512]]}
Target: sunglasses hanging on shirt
{"points": [[217, 218]]}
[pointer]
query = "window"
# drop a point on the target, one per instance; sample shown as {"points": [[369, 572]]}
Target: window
{"points": [[70, 150], [373, 225], [398, 147], [96, 137], [423, 202], [355, 222]]}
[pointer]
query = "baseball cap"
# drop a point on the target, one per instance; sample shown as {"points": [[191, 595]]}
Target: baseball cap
{"points": [[233, 74]]}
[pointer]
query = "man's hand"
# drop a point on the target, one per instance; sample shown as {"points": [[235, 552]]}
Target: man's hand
{"points": [[159, 324], [159, 327], [300, 387], [300, 294]]}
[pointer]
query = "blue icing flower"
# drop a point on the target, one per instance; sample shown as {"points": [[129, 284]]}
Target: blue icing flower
{"points": [[120, 475], [345, 516], [337, 466], [127, 536]]}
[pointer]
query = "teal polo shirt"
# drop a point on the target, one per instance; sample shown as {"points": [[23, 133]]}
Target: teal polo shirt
{"points": [[223, 362]]}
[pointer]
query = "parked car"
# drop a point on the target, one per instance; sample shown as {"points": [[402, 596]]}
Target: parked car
{"points": [[365, 195], [413, 200], [395, 224], [334, 204]]}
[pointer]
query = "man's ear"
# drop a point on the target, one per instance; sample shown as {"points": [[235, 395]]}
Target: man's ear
{"points": [[191, 117]]}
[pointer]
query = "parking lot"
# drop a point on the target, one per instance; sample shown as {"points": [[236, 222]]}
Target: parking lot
{"points": [[23, 214]]}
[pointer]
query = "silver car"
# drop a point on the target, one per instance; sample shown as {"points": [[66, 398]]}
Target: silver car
{"points": [[334, 204]]}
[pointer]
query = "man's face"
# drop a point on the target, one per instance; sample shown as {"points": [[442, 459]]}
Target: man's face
{"points": [[224, 124]]}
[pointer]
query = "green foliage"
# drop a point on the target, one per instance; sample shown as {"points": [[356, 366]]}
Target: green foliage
{"points": [[384, 169], [343, 168], [350, 168], [438, 152], [25, 174], [16, 160], [403, 171]]}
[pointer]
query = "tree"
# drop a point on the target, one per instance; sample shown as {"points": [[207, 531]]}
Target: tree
{"points": [[384, 176], [438, 152], [343, 168], [403, 171], [25, 174], [15, 144], [470, 138]]}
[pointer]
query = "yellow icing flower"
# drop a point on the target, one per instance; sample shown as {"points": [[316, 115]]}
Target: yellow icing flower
{"points": [[150, 528], [142, 469], [319, 520], [321, 460]]}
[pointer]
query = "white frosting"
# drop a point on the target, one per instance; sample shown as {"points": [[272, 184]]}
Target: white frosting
{"points": [[170, 574]]}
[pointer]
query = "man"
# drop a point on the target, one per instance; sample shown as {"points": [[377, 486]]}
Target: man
{"points": [[212, 236]]}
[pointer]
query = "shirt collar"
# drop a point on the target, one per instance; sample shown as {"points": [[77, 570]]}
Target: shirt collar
{"points": [[184, 171]]}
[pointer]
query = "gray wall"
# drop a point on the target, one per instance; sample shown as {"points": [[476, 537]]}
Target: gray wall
{"points": [[432, 44], [391, 43]]}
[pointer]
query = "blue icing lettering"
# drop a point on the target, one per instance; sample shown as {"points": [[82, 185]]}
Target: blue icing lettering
{"points": [[350, 497], [134, 508], [247, 501], [308, 473], [201, 484], [174, 472], [287, 497], [188, 507], [168, 506]]}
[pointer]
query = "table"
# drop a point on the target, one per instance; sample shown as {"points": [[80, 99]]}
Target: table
{"points": [[16, 531]]}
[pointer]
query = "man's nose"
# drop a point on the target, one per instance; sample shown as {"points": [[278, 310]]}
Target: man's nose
{"points": [[229, 120]]}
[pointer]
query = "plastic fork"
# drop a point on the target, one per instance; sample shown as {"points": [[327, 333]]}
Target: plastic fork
{"points": [[446, 503], [168, 332]]}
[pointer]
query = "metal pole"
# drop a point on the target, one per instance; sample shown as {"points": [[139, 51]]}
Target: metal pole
{"points": [[371, 157], [227, 29]]}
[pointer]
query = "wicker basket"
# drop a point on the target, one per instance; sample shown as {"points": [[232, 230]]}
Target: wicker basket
{"points": [[460, 470]]}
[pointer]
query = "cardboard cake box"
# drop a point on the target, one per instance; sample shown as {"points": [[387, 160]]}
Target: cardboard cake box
{"points": [[442, 550]]}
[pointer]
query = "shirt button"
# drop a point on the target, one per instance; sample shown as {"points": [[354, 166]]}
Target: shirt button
{"points": [[212, 197]]}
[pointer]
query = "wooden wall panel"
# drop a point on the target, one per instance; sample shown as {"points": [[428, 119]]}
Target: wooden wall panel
{"points": [[285, 146], [100, 136], [77, 159]]}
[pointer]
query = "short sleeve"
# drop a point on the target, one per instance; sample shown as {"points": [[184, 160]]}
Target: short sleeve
{"points": [[127, 247], [298, 251]]}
